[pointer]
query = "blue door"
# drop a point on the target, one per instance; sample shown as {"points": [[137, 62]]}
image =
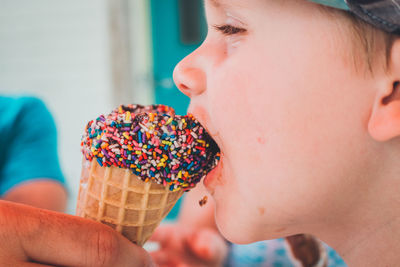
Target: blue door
{"points": [[178, 27]]}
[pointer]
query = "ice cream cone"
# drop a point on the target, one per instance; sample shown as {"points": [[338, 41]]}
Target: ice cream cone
{"points": [[138, 161], [116, 197]]}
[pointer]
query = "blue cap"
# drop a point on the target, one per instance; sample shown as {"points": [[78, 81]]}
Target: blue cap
{"points": [[341, 4], [383, 14]]}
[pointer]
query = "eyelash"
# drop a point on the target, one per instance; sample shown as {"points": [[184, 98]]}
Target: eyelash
{"points": [[229, 29]]}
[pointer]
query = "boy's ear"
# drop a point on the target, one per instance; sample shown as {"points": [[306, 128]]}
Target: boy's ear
{"points": [[384, 123]]}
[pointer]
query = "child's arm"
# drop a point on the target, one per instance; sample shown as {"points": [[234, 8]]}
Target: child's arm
{"points": [[194, 239], [30, 170], [41, 193]]}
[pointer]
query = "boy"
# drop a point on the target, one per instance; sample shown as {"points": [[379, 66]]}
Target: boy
{"points": [[303, 101]]}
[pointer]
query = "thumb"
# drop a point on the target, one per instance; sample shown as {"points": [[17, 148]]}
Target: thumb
{"points": [[207, 245]]}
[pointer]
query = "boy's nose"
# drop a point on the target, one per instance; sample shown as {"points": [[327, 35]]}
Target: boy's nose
{"points": [[189, 78]]}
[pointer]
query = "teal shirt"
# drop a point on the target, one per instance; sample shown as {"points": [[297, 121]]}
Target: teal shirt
{"points": [[28, 142]]}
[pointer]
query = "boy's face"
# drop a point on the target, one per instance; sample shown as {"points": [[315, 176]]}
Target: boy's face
{"points": [[274, 85]]}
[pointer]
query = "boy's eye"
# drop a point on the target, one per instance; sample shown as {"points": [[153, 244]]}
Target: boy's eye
{"points": [[229, 29]]}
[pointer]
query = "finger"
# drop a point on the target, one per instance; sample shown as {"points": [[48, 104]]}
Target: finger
{"points": [[208, 245], [161, 258], [10, 262], [31, 264], [162, 234], [58, 239]]}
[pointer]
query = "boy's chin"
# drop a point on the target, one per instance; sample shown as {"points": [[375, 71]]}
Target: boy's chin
{"points": [[235, 231], [241, 237], [245, 231]]}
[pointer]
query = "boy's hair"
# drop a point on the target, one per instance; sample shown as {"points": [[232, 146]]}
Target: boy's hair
{"points": [[375, 44]]}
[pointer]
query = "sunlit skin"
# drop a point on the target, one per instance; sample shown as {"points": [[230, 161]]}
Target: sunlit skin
{"points": [[308, 145]]}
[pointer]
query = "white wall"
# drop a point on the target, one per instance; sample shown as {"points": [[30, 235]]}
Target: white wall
{"points": [[58, 50], [62, 51]]}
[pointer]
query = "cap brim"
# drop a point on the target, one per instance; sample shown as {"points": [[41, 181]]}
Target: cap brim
{"points": [[341, 4]]}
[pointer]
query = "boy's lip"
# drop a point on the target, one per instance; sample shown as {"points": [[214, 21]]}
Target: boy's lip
{"points": [[214, 177]]}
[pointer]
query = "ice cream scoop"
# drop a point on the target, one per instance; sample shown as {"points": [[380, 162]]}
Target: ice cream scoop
{"points": [[138, 161]]}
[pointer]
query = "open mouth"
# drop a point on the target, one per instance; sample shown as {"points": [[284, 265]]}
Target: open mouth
{"points": [[213, 158], [214, 172], [214, 177], [213, 152]]}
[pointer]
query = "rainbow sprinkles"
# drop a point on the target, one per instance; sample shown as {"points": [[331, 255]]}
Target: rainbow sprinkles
{"points": [[154, 143]]}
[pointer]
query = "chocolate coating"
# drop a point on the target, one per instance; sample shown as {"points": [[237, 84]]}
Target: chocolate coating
{"points": [[154, 142]]}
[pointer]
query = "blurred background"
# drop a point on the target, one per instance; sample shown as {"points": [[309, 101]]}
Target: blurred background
{"points": [[83, 58]]}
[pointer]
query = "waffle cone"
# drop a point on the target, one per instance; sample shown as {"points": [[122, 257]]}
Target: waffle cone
{"points": [[117, 198]]}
